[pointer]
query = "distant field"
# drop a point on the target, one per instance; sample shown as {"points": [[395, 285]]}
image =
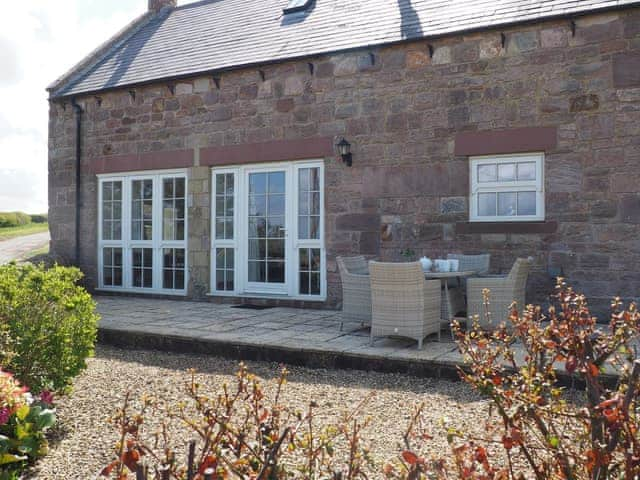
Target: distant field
{"points": [[11, 232]]}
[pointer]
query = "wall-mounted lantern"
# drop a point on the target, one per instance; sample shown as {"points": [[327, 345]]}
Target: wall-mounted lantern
{"points": [[344, 149]]}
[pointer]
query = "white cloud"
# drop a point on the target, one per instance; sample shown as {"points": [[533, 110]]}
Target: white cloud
{"points": [[41, 40]]}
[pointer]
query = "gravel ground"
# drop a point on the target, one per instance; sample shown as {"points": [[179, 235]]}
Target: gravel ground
{"points": [[83, 441]]}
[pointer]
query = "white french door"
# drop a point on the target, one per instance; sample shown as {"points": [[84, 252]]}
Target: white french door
{"points": [[142, 232], [268, 230], [265, 241]]}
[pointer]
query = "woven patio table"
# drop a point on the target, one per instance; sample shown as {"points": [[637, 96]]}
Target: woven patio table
{"points": [[446, 313]]}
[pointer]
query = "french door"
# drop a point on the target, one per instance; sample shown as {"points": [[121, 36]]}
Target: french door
{"points": [[264, 242], [268, 230], [142, 232]]}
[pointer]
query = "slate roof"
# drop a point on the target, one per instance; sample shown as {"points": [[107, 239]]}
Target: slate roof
{"points": [[221, 34]]}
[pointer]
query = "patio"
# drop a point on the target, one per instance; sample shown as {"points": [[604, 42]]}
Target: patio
{"points": [[302, 337], [310, 338]]}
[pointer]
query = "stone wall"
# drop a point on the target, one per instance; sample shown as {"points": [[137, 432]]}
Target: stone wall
{"points": [[402, 109]]}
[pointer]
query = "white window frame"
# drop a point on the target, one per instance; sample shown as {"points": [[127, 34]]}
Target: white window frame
{"points": [[157, 243], [477, 187], [292, 244]]}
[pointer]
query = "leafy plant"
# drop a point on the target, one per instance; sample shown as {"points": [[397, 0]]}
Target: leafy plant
{"points": [[408, 254], [49, 323], [23, 424], [540, 433], [241, 433]]}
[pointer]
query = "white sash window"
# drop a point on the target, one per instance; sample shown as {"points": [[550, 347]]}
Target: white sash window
{"points": [[507, 188]]}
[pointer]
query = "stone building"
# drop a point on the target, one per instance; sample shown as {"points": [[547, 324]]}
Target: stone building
{"points": [[194, 153]]}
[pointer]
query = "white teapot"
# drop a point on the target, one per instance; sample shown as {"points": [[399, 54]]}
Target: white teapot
{"points": [[426, 263]]}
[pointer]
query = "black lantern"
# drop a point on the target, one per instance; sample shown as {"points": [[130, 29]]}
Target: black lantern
{"points": [[344, 149]]}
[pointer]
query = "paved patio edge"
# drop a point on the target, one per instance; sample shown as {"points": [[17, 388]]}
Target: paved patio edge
{"points": [[304, 357]]}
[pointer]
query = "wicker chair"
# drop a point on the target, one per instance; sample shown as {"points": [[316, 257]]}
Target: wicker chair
{"points": [[458, 287], [404, 303], [356, 289], [477, 263], [504, 291]]}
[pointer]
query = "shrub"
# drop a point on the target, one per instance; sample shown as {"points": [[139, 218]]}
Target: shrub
{"points": [[50, 322], [38, 218], [23, 424], [242, 433], [14, 219], [539, 432]]}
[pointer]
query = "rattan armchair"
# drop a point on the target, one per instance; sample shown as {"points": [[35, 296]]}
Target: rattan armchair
{"points": [[356, 289], [477, 263], [404, 304], [504, 291], [457, 287]]}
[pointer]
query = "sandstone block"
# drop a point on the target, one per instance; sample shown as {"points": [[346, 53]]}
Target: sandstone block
{"points": [[630, 208], [359, 222], [453, 205], [184, 89], [248, 92], [554, 37], [441, 55], [626, 70], [417, 59]]}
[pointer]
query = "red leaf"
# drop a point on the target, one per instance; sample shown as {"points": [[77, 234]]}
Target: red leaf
{"points": [[593, 370], [507, 442], [209, 462], [410, 457], [264, 415], [106, 471], [131, 459], [481, 455]]}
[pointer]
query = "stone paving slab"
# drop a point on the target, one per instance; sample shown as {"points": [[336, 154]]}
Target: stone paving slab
{"points": [[310, 338]]}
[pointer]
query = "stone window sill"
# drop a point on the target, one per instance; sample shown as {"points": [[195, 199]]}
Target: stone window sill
{"points": [[506, 227]]}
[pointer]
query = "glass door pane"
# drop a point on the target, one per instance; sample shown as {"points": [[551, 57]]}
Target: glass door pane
{"points": [[266, 227], [142, 209]]}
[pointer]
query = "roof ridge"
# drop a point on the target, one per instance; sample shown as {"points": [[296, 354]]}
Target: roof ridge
{"points": [[101, 52]]}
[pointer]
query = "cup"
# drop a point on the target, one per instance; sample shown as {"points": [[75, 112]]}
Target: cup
{"points": [[454, 265], [442, 265]]}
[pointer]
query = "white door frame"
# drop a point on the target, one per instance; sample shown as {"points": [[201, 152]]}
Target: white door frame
{"points": [[239, 243], [243, 229]]}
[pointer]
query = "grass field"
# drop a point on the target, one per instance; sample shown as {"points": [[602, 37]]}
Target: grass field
{"points": [[12, 232]]}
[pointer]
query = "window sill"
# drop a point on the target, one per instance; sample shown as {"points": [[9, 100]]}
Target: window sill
{"points": [[506, 227]]}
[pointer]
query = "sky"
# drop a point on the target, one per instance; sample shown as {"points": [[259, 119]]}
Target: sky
{"points": [[39, 41]]}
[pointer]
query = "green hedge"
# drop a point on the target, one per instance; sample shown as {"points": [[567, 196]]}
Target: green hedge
{"points": [[14, 219], [39, 218], [48, 325]]}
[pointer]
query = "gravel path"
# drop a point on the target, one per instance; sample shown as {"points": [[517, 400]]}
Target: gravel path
{"points": [[84, 440], [17, 248]]}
